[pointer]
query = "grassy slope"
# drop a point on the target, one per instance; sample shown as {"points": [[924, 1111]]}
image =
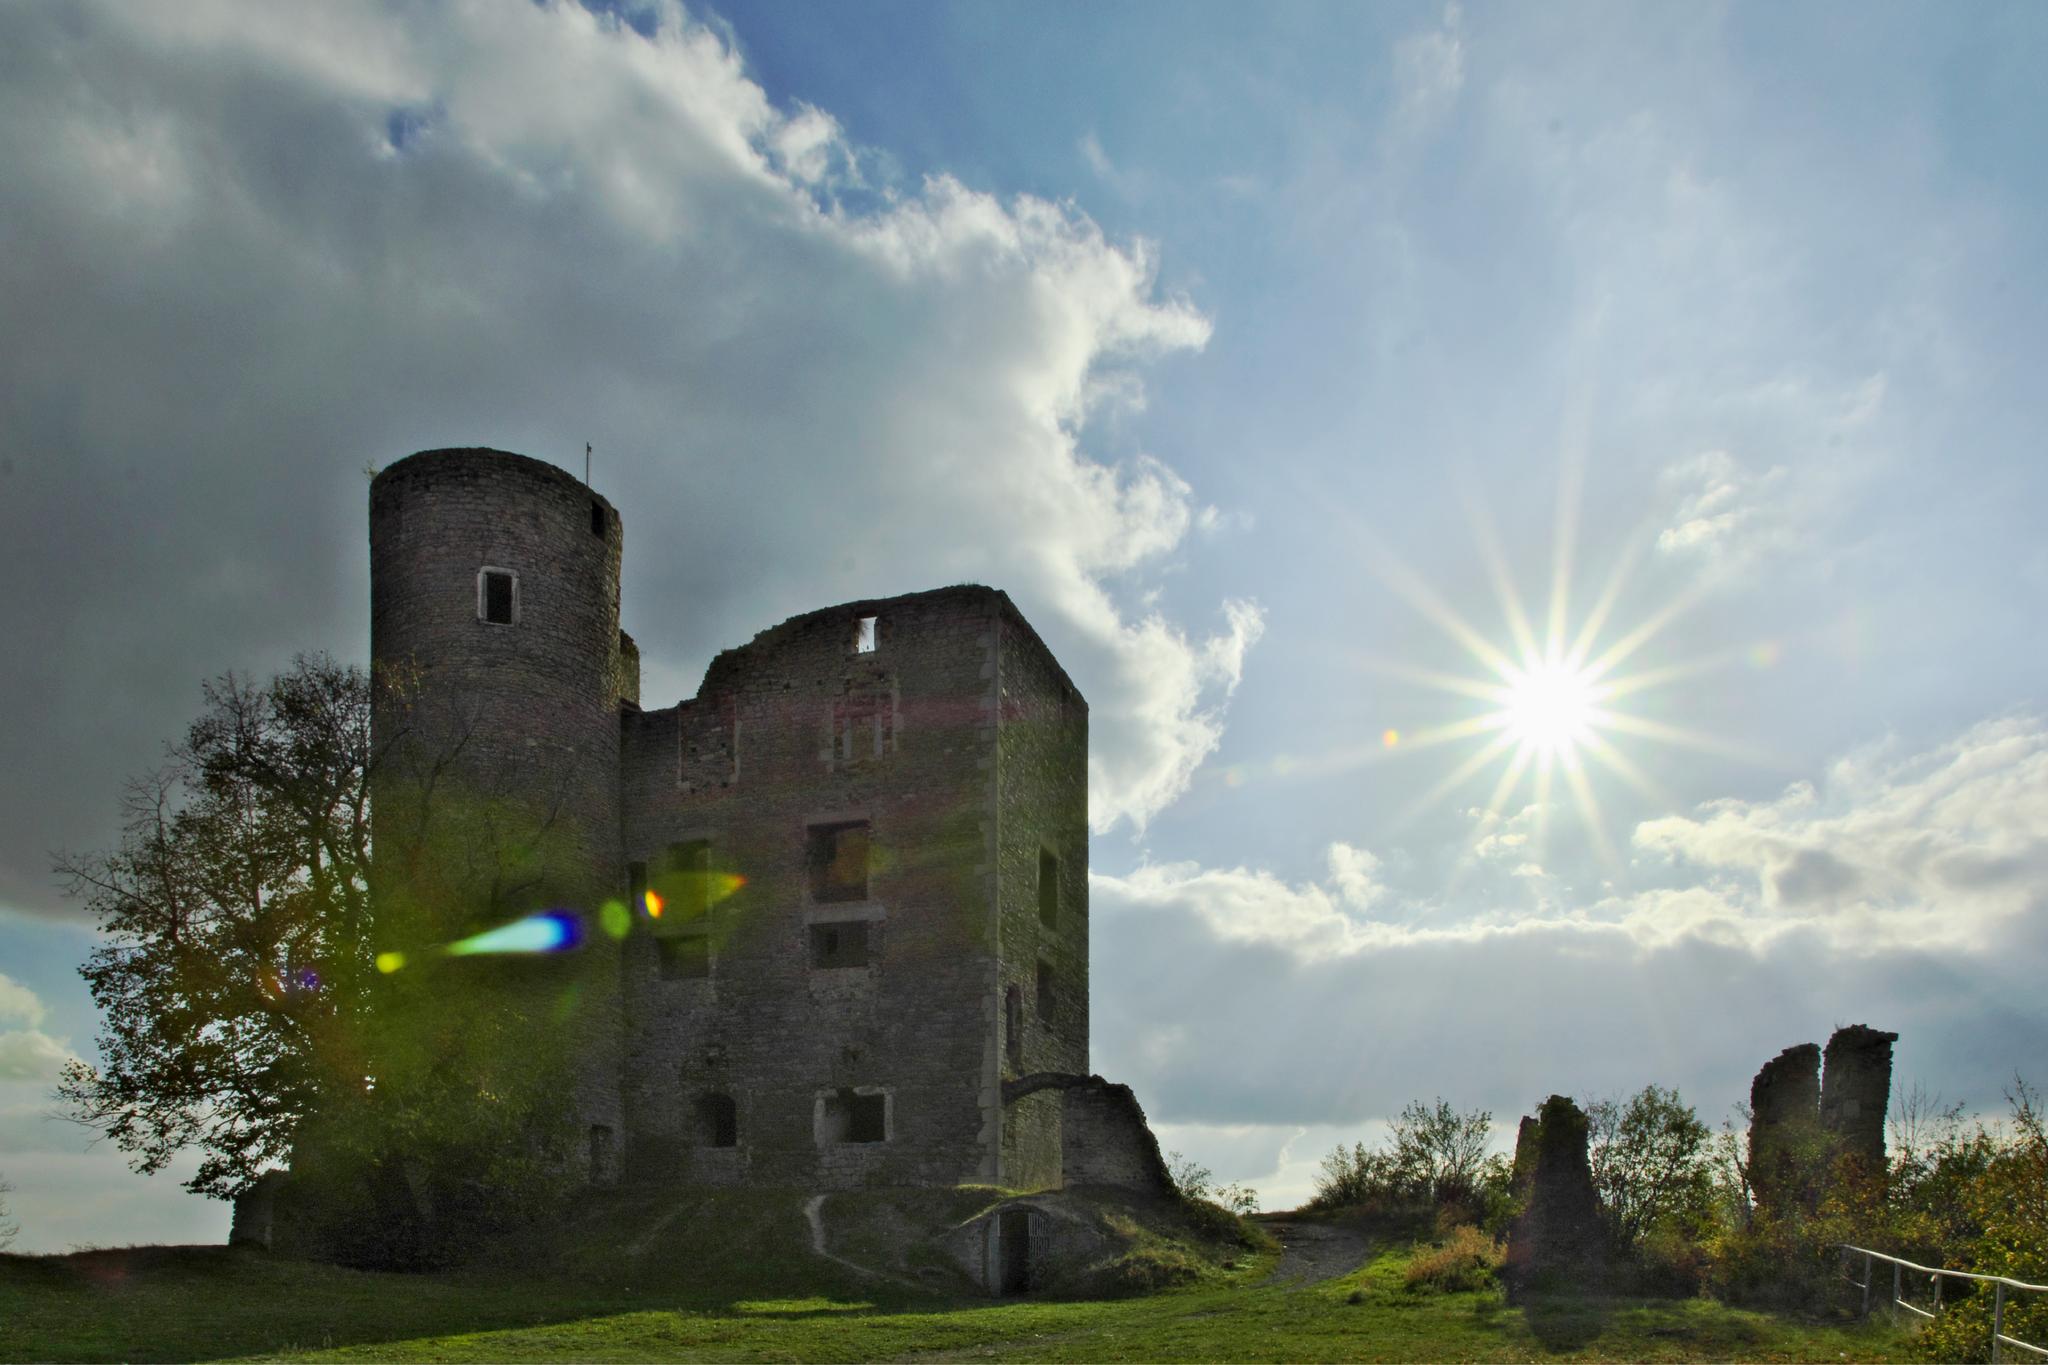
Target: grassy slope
{"points": [[207, 1303]]}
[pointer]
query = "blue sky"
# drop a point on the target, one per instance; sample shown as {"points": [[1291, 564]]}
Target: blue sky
{"points": [[1243, 345]]}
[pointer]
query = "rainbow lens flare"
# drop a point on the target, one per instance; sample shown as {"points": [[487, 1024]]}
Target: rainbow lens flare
{"points": [[655, 904], [552, 932], [614, 919]]}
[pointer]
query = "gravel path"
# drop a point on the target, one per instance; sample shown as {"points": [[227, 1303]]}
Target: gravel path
{"points": [[1312, 1252]]}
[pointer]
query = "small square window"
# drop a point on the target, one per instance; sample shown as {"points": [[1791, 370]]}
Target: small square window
{"points": [[1048, 888], [864, 636], [850, 1116], [684, 957], [838, 859], [841, 943], [497, 596]]}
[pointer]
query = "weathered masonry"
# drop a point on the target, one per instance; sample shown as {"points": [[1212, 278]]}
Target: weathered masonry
{"points": [[857, 858]]}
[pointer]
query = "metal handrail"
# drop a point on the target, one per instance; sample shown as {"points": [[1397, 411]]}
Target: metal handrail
{"points": [[1900, 1265]]}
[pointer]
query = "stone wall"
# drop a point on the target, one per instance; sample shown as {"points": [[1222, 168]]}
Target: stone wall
{"points": [[512, 728], [1042, 890], [1558, 1237], [1784, 1122], [797, 734], [1104, 1137], [1855, 1090], [1804, 1120]]}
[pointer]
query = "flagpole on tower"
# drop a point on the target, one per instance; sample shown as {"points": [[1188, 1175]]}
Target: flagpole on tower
{"points": [[586, 464]]}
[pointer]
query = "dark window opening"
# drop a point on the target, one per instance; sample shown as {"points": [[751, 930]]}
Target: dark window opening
{"points": [[1048, 887], [636, 887], [689, 875], [596, 517], [1045, 989], [600, 1153], [684, 957], [1013, 1025], [848, 1116], [843, 943], [718, 1121], [497, 597], [838, 857], [864, 636]]}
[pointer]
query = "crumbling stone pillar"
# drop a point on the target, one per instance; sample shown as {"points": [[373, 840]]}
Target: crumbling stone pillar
{"points": [[1854, 1091], [1784, 1128], [1558, 1237]]}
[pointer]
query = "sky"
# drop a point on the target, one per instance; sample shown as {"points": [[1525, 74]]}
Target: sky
{"points": [[1302, 371]]}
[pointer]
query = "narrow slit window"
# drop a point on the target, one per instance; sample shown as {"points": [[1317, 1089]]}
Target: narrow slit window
{"points": [[636, 890], [497, 596], [596, 517], [864, 636], [1013, 1025], [1048, 888]]}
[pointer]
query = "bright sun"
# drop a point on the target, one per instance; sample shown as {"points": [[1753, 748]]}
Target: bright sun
{"points": [[1550, 706], [1548, 699]]}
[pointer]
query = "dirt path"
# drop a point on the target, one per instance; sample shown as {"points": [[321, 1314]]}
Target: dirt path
{"points": [[1313, 1252]]}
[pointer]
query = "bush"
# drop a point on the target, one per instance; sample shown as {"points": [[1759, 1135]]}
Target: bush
{"points": [[1466, 1260], [1435, 1158]]}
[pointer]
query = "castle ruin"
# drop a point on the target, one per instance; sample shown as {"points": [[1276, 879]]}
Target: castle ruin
{"points": [[856, 860]]}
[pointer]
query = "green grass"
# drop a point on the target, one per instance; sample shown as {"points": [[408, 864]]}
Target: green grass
{"points": [[210, 1303]]}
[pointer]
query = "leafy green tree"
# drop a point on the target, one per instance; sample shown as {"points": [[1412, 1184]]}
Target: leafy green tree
{"points": [[245, 1014], [236, 959], [1653, 1165]]}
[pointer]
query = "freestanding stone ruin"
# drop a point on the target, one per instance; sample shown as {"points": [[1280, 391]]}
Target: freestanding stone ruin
{"points": [[1784, 1126], [1803, 1118], [1855, 1089], [1559, 1236]]}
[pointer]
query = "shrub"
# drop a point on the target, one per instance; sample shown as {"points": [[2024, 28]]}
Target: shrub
{"points": [[1466, 1260], [1435, 1157]]}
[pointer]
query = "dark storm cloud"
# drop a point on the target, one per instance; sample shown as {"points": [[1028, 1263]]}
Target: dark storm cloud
{"points": [[250, 255]]}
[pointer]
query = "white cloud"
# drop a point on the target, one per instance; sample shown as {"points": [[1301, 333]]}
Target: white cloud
{"points": [[1429, 71], [27, 1054], [31, 1055], [1905, 890], [19, 1002], [532, 227], [1722, 509], [1893, 850]]}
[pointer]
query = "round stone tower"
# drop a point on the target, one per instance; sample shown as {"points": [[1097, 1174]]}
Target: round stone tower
{"points": [[494, 640]]}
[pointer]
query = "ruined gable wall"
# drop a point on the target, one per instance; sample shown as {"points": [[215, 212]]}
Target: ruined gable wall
{"points": [[1042, 807], [764, 752]]}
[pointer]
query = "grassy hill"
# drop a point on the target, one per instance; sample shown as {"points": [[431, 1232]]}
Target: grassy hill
{"points": [[722, 1282]]}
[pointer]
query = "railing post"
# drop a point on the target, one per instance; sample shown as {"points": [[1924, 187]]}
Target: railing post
{"points": [[1866, 1284], [1898, 1288], [1998, 1323]]}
